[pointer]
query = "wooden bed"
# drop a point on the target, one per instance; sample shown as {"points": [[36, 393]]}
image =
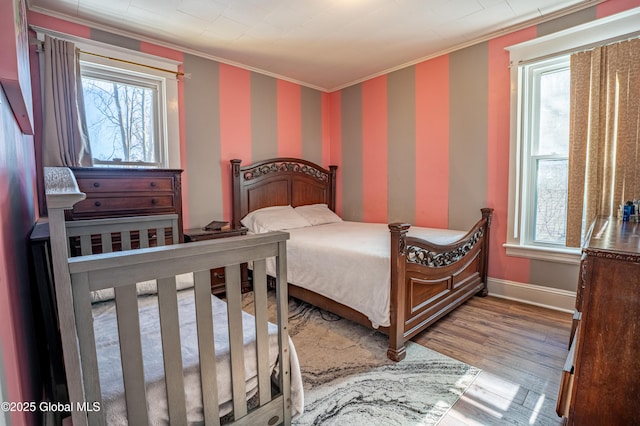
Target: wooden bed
{"points": [[427, 280], [77, 279]]}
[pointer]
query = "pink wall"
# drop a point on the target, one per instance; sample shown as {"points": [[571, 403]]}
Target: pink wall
{"points": [[17, 196], [289, 119], [17, 216], [18, 369], [499, 110], [374, 150], [335, 144], [432, 135], [235, 122]]}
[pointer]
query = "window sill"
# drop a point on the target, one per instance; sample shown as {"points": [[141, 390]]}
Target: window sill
{"points": [[557, 255]]}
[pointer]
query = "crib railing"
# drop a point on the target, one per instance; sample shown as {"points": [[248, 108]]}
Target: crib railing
{"points": [[77, 277]]}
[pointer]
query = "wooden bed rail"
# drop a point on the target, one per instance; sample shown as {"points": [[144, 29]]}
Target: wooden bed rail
{"points": [[76, 277]]}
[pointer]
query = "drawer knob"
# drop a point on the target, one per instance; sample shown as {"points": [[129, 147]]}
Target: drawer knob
{"points": [[154, 201], [97, 204], [153, 184], [218, 275], [96, 184]]}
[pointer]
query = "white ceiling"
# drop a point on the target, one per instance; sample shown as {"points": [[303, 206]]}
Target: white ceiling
{"points": [[324, 44]]}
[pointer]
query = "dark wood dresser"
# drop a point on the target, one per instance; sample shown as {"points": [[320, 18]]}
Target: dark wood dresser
{"points": [[114, 192], [601, 379]]}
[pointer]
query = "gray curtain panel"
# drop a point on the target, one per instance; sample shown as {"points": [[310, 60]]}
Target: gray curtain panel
{"points": [[65, 139]]}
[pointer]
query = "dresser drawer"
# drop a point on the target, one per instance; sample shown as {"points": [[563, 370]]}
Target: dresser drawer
{"points": [[102, 185], [563, 402], [123, 191], [124, 204]]}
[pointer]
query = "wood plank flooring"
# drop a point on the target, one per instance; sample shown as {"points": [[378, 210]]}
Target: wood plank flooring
{"points": [[521, 350]]}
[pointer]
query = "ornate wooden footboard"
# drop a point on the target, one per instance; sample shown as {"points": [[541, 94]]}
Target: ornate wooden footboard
{"points": [[427, 280]]}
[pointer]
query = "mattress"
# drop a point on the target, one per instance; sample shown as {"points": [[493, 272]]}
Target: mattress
{"points": [[349, 262], [109, 363]]}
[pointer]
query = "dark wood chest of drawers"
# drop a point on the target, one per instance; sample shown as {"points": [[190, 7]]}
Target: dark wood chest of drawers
{"points": [[601, 378], [113, 192]]}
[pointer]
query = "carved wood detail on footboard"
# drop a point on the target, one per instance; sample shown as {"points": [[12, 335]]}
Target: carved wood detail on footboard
{"points": [[428, 280]]}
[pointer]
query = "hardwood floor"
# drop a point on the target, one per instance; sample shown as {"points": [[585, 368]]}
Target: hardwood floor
{"points": [[521, 350]]}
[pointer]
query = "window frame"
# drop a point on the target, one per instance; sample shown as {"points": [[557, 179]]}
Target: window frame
{"points": [[157, 84], [581, 37], [133, 61], [529, 112]]}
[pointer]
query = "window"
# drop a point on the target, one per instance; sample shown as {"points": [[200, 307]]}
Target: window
{"points": [[540, 78], [131, 107], [545, 141], [124, 116]]}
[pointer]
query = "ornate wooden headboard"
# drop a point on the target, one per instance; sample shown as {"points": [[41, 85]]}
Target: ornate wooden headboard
{"points": [[280, 182]]}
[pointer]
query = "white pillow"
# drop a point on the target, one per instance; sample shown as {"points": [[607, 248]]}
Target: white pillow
{"points": [[274, 218], [318, 214]]}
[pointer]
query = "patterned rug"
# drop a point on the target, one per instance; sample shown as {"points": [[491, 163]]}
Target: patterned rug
{"points": [[348, 380]]}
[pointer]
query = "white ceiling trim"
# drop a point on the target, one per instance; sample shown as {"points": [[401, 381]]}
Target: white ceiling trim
{"points": [[185, 49]]}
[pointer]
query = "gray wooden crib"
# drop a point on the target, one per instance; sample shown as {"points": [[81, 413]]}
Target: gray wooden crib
{"points": [[149, 253]]}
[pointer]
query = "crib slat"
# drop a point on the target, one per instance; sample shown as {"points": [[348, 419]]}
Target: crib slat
{"points": [[160, 236], [107, 244], [262, 331], [236, 344], [125, 240], [144, 238], [85, 245], [86, 340], [174, 232], [170, 332], [131, 354], [206, 347], [283, 340]]}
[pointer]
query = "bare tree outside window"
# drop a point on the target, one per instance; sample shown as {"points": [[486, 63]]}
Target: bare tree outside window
{"points": [[549, 154], [551, 201], [120, 120]]}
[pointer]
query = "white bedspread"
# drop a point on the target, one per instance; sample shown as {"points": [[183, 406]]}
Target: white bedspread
{"points": [[349, 262], [111, 372]]}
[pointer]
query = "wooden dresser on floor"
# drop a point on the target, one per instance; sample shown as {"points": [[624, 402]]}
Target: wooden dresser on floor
{"points": [[601, 379], [115, 192]]}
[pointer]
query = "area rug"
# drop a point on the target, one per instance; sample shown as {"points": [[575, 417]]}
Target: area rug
{"points": [[348, 380]]}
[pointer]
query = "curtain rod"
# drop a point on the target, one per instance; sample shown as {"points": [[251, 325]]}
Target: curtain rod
{"points": [[40, 45], [177, 73]]}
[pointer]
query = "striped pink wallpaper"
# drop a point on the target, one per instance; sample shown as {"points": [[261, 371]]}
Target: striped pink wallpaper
{"points": [[427, 144], [235, 123], [289, 120], [432, 148], [374, 150]]}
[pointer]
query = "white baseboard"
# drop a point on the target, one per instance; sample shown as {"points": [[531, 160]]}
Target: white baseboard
{"points": [[552, 298]]}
